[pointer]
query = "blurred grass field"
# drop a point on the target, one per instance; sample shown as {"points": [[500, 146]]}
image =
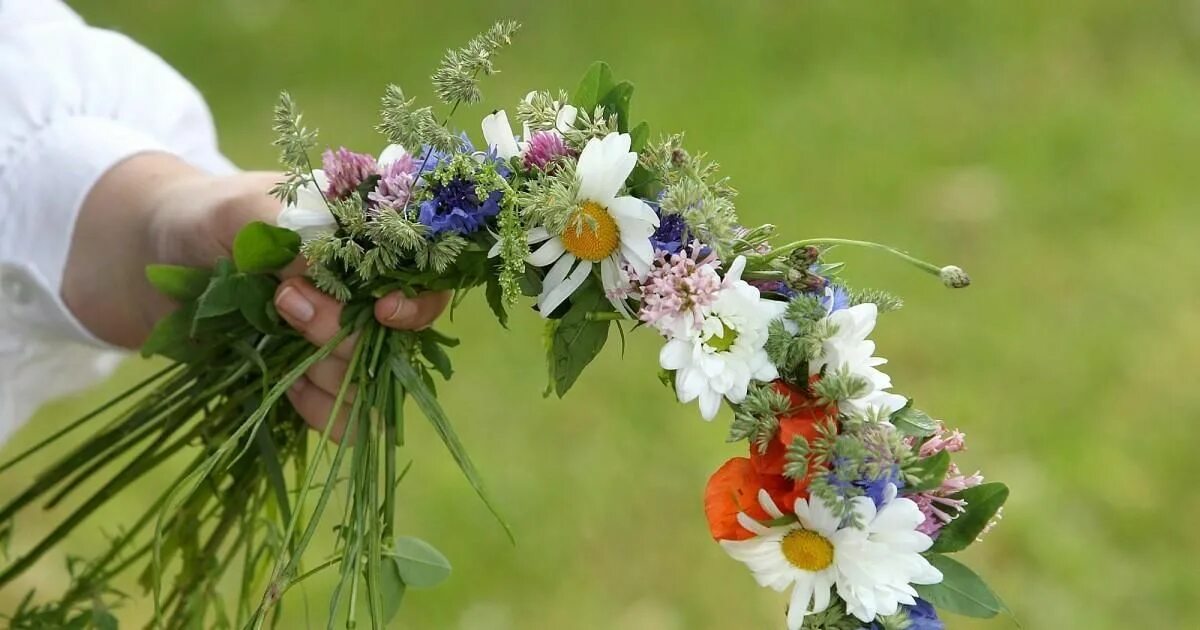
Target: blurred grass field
{"points": [[1047, 147]]}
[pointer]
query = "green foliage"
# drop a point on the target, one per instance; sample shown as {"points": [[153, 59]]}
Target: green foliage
{"points": [[983, 503], [550, 200], [419, 564], [595, 85], [756, 419], [513, 250], [886, 302], [456, 79], [181, 284], [294, 141], [927, 473], [577, 338], [692, 187], [796, 457], [914, 422], [961, 591], [262, 248], [413, 128]]}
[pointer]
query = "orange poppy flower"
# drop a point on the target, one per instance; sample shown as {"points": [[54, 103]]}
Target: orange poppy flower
{"points": [[734, 488]]}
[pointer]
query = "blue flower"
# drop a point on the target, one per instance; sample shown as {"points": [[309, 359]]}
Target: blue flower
{"points": [[670, 233], [921, 616], [456, 208], [836, 299], [875, 487]]}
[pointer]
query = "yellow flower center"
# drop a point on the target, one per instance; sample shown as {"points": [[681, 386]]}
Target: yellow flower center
{"points": [[591, 233], [807, 550], [724, 340]]}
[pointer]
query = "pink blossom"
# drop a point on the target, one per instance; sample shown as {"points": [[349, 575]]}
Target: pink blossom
{"points": [[346, 170], [937, 506], [395, 182], [545, 147], [680, 290]]}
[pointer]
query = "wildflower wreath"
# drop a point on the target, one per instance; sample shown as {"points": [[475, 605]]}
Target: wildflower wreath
{"points": [[847, 495]]}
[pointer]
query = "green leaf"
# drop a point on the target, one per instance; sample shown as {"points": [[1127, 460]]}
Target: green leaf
{"points": [[914, 422], [103, 620], [577, 340], [616, 101], [391, 590], [595, 84], [256, 301], [182, 284], [639, 136], [930, 472], [432, 350], [495, 299], [172, 337], [960, 591], [260, 247], [223, 296], [419, 563], [983, 501], [415, 386]]}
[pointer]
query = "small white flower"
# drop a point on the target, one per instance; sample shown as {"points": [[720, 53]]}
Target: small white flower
{"points": [[849, 350], [309, 214], [873, 568], [719, 357], [606, 229]]}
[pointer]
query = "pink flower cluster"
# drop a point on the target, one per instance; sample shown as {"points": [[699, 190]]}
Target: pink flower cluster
{"points": [[346, 170], [395, 183], [937, 506], [680, 289], [545, 147]]}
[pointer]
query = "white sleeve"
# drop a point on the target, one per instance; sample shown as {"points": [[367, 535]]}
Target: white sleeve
{"points": [[74, 101]]}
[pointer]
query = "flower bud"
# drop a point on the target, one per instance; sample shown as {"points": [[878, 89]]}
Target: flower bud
{"points": [[954, 277]]}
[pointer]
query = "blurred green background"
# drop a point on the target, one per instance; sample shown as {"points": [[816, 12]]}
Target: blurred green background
{"points": [[1047, 147]]}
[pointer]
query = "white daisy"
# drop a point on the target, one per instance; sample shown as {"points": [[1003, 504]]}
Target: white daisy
{"points": [[719, 357], [309, 214], [873, 568], [604, 228], [849, 350]]}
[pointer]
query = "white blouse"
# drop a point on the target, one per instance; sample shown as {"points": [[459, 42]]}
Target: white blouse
{"points": [[74, 101]]}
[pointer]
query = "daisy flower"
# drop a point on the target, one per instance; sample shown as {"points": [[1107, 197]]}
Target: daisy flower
{"points": [[718, 356], [605, 229], [873, 567], [847, 349], [539, 148]]}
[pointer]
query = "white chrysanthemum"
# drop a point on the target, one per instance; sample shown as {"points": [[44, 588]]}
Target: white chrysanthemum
{"points": [[719, 358], [604, 229], [309, 214], [873, 568], [849, 350]]}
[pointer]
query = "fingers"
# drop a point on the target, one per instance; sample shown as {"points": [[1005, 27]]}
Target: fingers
{"points": [[314, 314], [315, 405], [395, 310]]}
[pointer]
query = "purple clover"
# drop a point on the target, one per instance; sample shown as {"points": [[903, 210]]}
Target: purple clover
{"points": [[545, 148], [346, 170], [396, 181]]}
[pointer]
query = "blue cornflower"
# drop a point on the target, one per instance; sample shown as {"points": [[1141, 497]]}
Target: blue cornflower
{"points": [[875, 487], [921, 616], [456, 208], [836, 299], [670, 234]]}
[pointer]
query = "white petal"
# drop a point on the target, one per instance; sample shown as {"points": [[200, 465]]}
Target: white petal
{"points": [[552, 299], [547, 253], [768, 504], [802, 594], [710, 404], [603, 166], [614, 283], [565, 121], [391, 153], [499, 135], [675, 354]]}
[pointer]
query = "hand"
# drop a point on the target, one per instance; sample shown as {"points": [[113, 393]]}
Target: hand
{"points": [[154, 208]]}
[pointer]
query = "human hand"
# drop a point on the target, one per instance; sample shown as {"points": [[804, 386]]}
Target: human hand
{"points": [[154, 208]]}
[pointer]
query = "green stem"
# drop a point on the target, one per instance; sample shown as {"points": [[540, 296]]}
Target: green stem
{"points": [[793, 246]]}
